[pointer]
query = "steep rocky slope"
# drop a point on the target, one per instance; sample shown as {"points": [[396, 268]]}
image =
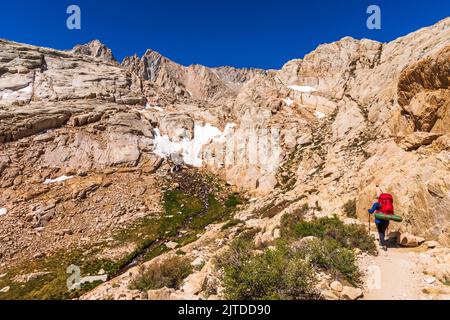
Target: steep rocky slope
{"points": [[91, 152]]}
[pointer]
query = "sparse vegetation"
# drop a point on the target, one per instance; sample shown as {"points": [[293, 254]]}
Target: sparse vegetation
{"points": [[348, 236], [289, 220], [233, 201], [273, 274], [350, 208], [169, 273], [288, 271], [185, 216], [330, 256]]}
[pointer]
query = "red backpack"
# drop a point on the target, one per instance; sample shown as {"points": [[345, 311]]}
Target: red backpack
{"points": [[387, 203]]}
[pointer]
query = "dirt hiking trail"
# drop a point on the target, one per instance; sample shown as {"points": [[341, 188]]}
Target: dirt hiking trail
{"points": [[394, 274]]}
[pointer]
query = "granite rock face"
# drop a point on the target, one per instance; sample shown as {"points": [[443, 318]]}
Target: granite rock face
{"points": [[95, 49]]}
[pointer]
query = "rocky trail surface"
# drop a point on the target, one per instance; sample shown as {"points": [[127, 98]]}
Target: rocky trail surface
{"points": [[398, 276], [399, 273]]}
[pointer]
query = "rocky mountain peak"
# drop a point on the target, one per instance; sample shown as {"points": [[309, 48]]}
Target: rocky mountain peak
{"points": [[95, 49]]}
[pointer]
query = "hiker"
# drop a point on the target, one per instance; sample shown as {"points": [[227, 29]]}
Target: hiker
{"points": [[384, 205]]}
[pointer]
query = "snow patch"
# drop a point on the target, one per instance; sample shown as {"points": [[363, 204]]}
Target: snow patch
{"points": [[319, 115], [149, 107], [288, 101], [190, 149], [3, 211], [13, 95], [304, 89], [59, 179]]}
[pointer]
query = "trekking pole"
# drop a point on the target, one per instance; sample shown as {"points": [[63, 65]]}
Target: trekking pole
{"points": [[369, 223]]}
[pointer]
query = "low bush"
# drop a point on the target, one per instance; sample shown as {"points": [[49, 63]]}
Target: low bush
{"points": [[349, 236], [350, 208], [330, 256], [169, 273], [233, 200], [274, 274]]}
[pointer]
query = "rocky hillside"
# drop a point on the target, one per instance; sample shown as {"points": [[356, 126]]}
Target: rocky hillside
{"points": [[112, 166]]}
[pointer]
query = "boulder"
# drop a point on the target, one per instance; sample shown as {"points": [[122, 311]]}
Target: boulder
{"points": [[171, 244], [440, 272], [409, 240], [350, 293], [336, 286], [329, 295], [418, 139], [429, 279], [431, 244], [177, 126], [267, 183], [160, 294], [5, 290], [198, 262], [193, 284]]}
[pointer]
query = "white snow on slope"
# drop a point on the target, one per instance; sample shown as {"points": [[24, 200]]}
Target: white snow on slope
{"points": [[190, 149], [288, 101], [149, 107], [12, 95], [59, 179], [319, 115], [3, 211], [304, 89]]}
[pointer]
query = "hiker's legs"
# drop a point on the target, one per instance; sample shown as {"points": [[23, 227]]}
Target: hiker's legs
{"points": [[380, 233], [381, 227]]}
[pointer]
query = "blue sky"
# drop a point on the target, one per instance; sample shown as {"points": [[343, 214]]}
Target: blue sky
{"points": [[241, 33]]}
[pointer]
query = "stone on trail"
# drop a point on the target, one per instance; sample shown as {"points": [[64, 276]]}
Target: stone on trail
{"points": [[350, 293]]}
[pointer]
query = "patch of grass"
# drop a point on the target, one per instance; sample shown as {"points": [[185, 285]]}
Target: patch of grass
{"points": [[179, 207], [348, 236], [180, 252], [350, 208], [275, 274], [169, 273], [233, 200], [53, 286], [215, 212]]}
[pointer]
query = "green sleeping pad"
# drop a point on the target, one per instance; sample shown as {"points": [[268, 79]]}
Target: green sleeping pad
{"points": [[395, 218]]}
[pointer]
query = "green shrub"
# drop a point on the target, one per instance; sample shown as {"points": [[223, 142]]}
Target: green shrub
{"points": [[350, 208], [289, 220], [275, 274], [330, 256], [233, 201], [240, 249], [169, 273], [349, 236]]}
